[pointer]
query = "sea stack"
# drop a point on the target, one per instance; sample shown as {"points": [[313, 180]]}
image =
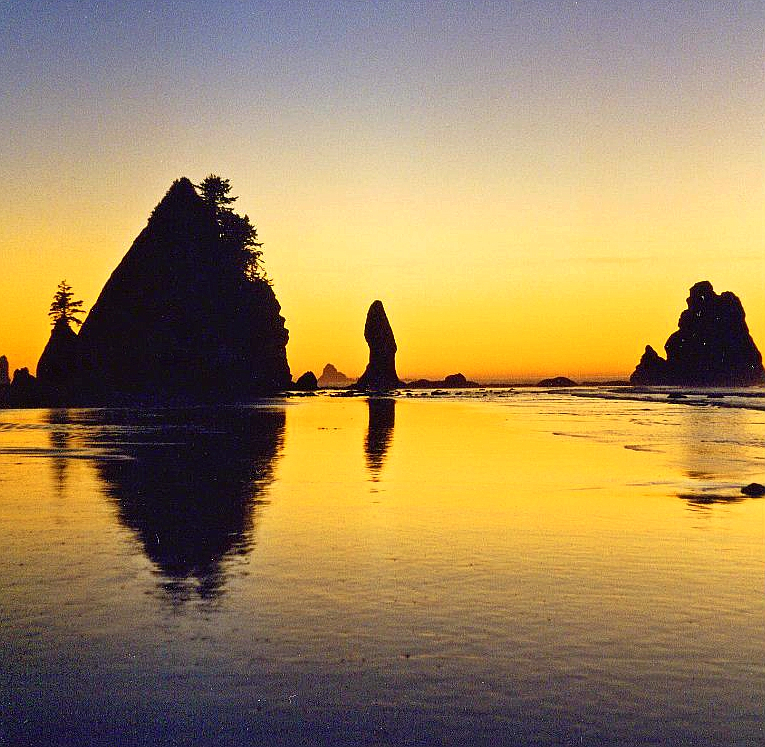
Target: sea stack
{"points": [[57, 364], [380, 374], [712, 346], [179, 320]]}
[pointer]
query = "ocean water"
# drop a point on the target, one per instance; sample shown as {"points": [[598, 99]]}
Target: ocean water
{"points": [[486, 568]]}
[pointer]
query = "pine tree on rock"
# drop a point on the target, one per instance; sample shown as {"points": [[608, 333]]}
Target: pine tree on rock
{"points": [[63, 309]]}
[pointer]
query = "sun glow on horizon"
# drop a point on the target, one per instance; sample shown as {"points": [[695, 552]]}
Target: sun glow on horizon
{"points": [[529, 193]]}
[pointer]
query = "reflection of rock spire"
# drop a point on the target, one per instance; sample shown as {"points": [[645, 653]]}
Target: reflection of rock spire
{"points": [[382, 417], [189, 487]]}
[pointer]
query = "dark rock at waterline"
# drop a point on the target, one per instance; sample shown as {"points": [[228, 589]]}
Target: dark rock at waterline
{"points": [[179, 321], [306, 383], [557, 381], [56, 369], [380, 373], [652, 369], [24, 390], [754, 489], [331, 377], [712, 346], [458, 380], [452, 381], [5, 382]]}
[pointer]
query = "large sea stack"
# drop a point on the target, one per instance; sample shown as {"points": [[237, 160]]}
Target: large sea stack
{"points": [[712, 346], [380, 374], [178, 320]]}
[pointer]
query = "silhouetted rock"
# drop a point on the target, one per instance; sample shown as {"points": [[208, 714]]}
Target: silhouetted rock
{"points": [[754, 489], [557, 381], [306, 383], [179, 320], [57, 365], [24, 389], [652, 369], [331, 377], [380, 373], [712, 346], [5, 382], [452, 381]]}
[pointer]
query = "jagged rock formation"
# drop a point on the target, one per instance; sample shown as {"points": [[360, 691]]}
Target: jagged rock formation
{"points": [[557, 381], [712, 346], [306, 383], [331, 377], [652, 369], [452, 381], [179, 321], [5, 382], [57, 365], [24, 390], [380, 373]]}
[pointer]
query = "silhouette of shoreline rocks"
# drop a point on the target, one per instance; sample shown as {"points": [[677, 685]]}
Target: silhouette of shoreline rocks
{"points": [[306, 383], [712, 346], [452, 381], [557, 381]]}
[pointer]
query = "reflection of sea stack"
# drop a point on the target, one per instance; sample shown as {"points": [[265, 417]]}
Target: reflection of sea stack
{"points": [[179, 320], [712, 346], [189, 491], [380, 374], [382, 417], [330, 377]]}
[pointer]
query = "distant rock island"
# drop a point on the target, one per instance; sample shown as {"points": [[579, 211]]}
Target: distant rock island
{"points": [[557, 381], [380, 374], [331, 377], [712, 346], [453, 381]]}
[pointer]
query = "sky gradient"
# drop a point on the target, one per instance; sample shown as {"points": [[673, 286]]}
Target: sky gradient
{"points": [[529, 187]]}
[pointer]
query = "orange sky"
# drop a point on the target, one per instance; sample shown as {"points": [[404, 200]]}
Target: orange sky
{"points": [[530, 190]]}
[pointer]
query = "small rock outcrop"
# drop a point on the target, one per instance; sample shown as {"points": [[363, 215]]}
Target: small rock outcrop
{"points": [[452, 381], [652, 369], [712, 346], [306, 383], [331, 377], [380, 374], [24, 389], [58, 362], [557, 381], [5, 382]]}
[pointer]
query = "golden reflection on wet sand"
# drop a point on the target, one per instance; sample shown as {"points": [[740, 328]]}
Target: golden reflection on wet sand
{"points": [[525, 570]]}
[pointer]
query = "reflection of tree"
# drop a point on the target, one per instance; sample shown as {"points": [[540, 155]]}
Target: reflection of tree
{"points": [[382, 417], [187, 483], [60, 442]]}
